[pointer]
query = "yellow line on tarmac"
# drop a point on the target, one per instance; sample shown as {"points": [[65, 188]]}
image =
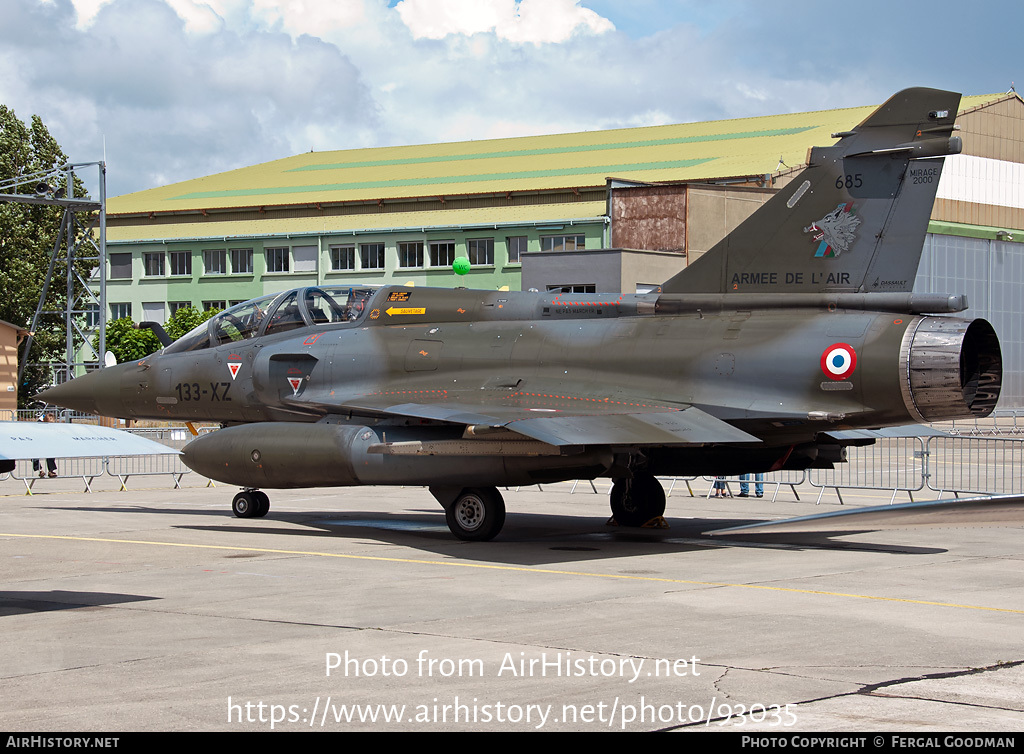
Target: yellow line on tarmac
{"points": [[557, 572]]}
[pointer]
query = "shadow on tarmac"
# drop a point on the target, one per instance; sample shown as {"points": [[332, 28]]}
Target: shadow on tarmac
{"points": [[20, 603]]}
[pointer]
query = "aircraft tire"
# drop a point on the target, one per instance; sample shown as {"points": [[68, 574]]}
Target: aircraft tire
{"points": [[636, 501], [477, 514], [246, 505], [262, 503]]}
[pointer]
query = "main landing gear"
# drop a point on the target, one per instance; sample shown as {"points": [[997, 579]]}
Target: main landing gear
{"points": [[474, 514], [637, 501], [251, 504]]}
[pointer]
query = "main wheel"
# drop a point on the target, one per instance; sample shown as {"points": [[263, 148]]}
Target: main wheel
{"points": [[636, 501], [246, 504], [477, 514], [262, 503]]}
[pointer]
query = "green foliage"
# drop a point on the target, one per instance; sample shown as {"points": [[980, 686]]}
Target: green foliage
{"points": [[27, 236], [185, 319], [129, 344]]}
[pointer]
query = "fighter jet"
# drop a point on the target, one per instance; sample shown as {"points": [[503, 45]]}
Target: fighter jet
{"points": [[787, 342]]}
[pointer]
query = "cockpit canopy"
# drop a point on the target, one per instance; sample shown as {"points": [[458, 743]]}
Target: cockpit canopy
{"points": [[277, 313]]}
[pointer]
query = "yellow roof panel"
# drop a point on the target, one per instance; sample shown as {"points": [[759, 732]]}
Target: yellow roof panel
{"points": [[688, 151], [414, 221]]}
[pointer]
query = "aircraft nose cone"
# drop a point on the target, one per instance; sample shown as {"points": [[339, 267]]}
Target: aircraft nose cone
{"points": [[88, 392]]}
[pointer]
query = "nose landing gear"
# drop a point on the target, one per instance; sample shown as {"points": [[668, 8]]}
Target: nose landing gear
{"points": [[251, 504]]}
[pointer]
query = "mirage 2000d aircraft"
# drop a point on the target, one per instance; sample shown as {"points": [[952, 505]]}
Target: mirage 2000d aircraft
{"points": [[774, 350]]}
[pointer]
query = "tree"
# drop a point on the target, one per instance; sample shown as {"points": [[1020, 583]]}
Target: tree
{"points": [[27, 235], [129, 344]]}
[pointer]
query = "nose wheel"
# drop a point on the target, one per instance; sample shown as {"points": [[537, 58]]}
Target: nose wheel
{"points": [[250, 504]]}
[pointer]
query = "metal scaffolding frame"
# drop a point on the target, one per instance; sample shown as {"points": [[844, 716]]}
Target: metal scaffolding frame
{"points": [[84, 312]]}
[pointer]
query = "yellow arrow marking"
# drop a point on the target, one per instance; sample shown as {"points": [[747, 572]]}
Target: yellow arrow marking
{"points": [[392, 311]]}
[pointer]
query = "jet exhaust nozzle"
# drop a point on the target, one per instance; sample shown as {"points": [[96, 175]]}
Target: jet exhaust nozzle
{"points": [[952, 369]]}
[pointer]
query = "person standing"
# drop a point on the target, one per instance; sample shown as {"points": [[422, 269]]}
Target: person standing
{"points": [[51, 463], [758, 485]]}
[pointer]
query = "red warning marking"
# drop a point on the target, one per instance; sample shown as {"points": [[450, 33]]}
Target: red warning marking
{"points": [[296, 383], [310, 340], [233, 367]]}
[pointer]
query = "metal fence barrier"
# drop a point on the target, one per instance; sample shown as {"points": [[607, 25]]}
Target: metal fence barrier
{"points": [[1001, 422], [895, 464], [981, 465], [777, 479], [86, 469], [124, 467]]}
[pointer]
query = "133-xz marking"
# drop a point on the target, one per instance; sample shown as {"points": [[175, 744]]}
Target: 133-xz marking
{"points": [[191, 391]]}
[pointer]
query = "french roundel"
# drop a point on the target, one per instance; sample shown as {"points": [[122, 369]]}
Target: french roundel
{"points": [[838, 361]]}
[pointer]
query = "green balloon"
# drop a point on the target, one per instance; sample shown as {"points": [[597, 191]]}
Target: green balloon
{"points": [[460, 266]]}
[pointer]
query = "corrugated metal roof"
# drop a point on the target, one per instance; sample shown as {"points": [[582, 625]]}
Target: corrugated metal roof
{"points": [[682, 152], [477, 217]]}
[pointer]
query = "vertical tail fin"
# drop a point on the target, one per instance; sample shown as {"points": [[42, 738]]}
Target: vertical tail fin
{"points": [[853, 220]]}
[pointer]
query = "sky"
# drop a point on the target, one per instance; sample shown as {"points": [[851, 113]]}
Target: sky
{"points": [[169, 90]]}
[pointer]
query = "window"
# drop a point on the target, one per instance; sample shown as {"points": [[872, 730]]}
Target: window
{"points": [[343, 257], [442, 253], [277, 259], [219, 305], [153, 311], [571, 288], [92, 315], [562, 243], [304, 258], [181, 262], [241, 261], [481, 251], [516, 248], [215, 261], [372, 256], [175, 305], [120, 311], [120, 266], [287, 315], [153, 263], [410, 254]]}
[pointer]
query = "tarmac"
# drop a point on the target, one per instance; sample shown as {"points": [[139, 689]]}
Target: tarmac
{"points": [[154, 609]]}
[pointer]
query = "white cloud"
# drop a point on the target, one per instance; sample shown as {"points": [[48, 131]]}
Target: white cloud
{"points": [[185, 88], [176, 96], [313, 17], [87, 9], [536, 21], [199, 17]]}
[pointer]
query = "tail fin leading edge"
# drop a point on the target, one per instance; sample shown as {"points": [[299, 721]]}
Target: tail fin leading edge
{"points": [[854, 220]]}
